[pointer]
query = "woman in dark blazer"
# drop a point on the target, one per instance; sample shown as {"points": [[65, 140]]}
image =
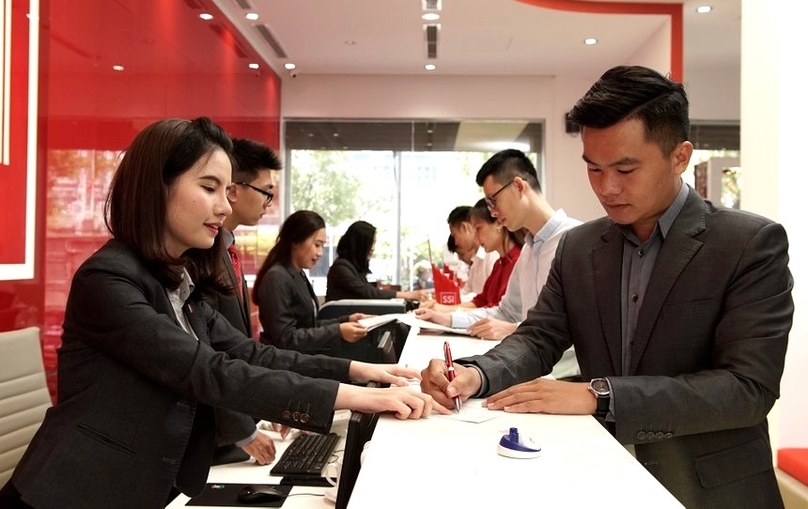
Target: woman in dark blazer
{"points": [[347, 277], [144, 361], [287, 305]]}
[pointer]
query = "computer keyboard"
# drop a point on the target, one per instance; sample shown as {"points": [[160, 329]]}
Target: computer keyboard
{"points": [[306, 456]]}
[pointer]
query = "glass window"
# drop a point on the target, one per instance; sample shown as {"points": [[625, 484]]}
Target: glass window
{"points": [[402, 177]]}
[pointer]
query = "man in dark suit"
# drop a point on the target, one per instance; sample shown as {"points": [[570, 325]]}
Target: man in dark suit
{"points": [[250, 196], [679, 310]]}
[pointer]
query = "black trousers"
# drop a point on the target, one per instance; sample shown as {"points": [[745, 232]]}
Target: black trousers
{"points": [[10, 498]]}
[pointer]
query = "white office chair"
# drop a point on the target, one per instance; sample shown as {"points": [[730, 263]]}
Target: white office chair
{"points": [[24, 396]]}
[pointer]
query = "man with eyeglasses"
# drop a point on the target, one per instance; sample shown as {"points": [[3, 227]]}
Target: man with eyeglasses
{"points": [[250, 196], [513, 195]]}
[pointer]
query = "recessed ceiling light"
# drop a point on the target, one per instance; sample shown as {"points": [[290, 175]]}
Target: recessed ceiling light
{"points": [[590, 41], [254, 65], [430, 16], [289, 65], [206, 16], [118, 68], [430, 67], [252, 16], [704, 9], [350, 42]]}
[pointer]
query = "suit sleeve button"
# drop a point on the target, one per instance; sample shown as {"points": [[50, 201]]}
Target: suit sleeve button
{"points": [[641, 435]]}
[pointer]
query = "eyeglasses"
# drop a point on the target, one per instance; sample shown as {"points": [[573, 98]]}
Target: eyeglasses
{"points": [[266, 194], [491, 201]]}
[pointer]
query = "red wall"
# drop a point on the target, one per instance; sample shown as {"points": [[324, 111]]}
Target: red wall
{"points": [[176, 65]]}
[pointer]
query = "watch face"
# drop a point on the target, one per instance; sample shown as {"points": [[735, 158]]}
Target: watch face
{"points": [[600, 386]]}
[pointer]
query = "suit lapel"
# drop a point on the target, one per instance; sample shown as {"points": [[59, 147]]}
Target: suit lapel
{"points": [[244, 307], [305, 290], [196, 322], [677, 251], [605, 258]]}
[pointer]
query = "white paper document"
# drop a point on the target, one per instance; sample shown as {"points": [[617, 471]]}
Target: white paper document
{"points": [[472, 410], [409, 319]]}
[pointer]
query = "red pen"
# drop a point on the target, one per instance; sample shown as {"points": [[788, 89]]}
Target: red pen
{"points": [[447, 354]]}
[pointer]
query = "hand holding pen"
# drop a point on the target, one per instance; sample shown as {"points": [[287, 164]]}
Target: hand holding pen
{"points": [[447, 355]]}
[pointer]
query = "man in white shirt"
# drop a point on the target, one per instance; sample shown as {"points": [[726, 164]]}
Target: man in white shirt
{"points": [[518, 203], [469, 251]]}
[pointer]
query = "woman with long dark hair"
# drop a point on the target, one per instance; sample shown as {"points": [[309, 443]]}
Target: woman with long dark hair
{"points": [[347, 276], [144, 360], [287, 305]]}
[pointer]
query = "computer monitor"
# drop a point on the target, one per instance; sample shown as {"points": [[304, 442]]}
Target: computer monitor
{"points": [[344, 307], [374, 347], [360, 429], [387, 349]]}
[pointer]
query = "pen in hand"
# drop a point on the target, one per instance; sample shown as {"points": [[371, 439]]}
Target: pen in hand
{"points": [[447, 354]]}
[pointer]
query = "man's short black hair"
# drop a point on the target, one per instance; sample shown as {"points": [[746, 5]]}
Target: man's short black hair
{"points": [[629, 92], [451, 245], [507, 164], [459, 215], [250, 158]]}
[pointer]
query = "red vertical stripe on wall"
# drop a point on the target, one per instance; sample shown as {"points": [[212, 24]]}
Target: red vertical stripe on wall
{"points": [[13, 176], [674, 10]]}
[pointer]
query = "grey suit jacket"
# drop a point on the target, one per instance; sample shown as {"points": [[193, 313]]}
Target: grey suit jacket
{"points": [[708, 353], [287, 308], [232, 426], [345, 282], [136, 392]]}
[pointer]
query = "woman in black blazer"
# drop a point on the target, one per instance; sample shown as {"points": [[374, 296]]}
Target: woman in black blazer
{"points": [[144, 361], [287, 305], [347, 277]]}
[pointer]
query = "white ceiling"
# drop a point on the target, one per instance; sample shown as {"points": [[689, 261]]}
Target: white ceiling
{"points": [[492, 37]]}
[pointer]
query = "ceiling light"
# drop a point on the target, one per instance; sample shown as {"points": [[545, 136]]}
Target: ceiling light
{"points": [[118, 68], [206, 16], [430, 16], [350, 42], [252, 16], [704, 9], [254, 65], [590, 41], [289, 65], [430, 67]]}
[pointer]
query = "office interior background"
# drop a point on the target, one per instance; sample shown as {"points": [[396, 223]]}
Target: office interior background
{"points": [[365, 131]]}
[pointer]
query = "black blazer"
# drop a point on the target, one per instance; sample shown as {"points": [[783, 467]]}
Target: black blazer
{"points": [[708, 351], [232, 426], [236, 311], [345, 282], [287, 308], [136, 392]]}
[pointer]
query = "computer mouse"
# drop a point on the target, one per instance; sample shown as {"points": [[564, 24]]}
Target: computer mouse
{"points": [[259, 493]]}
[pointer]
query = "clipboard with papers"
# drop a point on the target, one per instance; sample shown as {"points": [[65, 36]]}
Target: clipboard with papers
{"points": [[408, 319]]}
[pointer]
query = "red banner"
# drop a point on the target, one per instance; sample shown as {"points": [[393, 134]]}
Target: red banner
{"points": [[446, 291]]}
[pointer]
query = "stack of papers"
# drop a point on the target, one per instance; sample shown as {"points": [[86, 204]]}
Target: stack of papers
{"points": [[409, 319]]}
